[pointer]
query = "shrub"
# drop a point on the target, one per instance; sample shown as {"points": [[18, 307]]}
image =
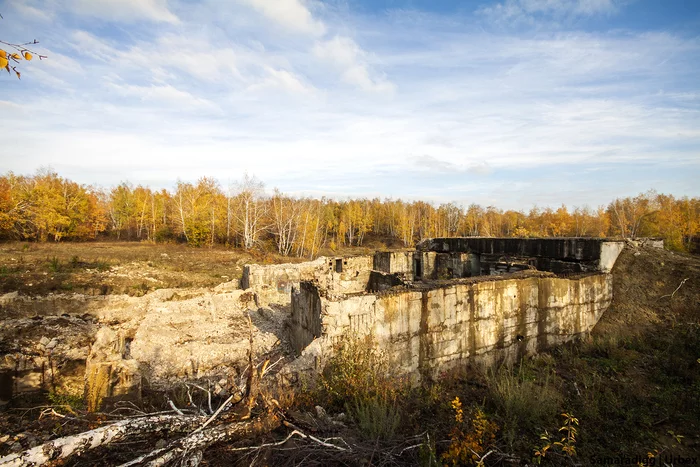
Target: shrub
{"points": [[522, 403], [358, 372], [469, 437], [377, 418], [359, 379]]}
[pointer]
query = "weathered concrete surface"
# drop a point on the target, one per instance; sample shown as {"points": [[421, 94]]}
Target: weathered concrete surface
{"points": [[395, 262], [167, 336], [336, 275], [110, 374], [273, 283], [429, 330], [44, 353], [588, 254], [305, 322]]}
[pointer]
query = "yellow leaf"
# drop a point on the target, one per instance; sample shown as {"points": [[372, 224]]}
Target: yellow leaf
{"points": [[3, 62], [16, 56], [27, 55], [18, 74], [3, 54]]}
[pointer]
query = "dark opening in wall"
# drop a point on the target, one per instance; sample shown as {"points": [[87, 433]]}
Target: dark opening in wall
{"points": [[338, 265], [417, 268]]}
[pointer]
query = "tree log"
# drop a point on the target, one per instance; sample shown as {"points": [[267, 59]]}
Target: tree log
{"points": [[63, 448], [200, 440]]}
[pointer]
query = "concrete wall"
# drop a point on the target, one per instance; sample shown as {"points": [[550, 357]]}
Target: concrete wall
{"points": [[395, 262], [274, 283], [427, 331], [353, 278], [305, 321], [555, 254]]}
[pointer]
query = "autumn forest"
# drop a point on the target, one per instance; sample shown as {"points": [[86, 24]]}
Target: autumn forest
{"points": [[47, 207]]}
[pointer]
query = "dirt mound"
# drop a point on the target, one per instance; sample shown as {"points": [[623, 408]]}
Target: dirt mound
{"points": [[652, 287]]}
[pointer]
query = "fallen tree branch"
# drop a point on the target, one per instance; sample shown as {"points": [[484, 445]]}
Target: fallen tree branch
{"points": [[200, 440], [218, 411], [172, 406], [295, 432], [316, 440], [677, 288], [68, 446]]}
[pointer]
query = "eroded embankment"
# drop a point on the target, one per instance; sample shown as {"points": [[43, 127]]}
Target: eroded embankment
{"points": [[652, 288], [118, 343]]}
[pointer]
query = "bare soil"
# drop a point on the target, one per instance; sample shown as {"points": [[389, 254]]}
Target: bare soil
{"points": [[645, 296]]}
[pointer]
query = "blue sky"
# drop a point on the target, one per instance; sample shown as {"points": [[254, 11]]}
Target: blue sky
{"points": [[510, 102]]}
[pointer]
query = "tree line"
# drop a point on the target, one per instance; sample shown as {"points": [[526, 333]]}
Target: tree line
{"points": [[47, 207]]}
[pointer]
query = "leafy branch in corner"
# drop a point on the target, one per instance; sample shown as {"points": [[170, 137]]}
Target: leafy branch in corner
{"points": [[19, 52]]}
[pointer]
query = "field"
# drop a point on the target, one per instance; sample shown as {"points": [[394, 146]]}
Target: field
{"points": [[134, 268]]}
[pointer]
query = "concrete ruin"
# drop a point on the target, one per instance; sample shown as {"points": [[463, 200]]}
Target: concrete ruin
{"points": [[449, 301]]}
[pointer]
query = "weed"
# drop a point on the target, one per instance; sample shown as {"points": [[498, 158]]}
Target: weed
{"points": [[75, 262], [469, 437], [54, 264], [427, 454], [358, 372], [377, 418], [513, 393], [567, 441], [66, 402]]}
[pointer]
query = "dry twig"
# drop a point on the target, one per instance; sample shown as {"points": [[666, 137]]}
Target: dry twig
{"points": [[677, 288]]}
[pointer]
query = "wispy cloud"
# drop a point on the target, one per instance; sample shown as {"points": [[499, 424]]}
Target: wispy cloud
{"points": [[291, 14], [520, 12], [345, 55], [328, 101], [124, 10]]}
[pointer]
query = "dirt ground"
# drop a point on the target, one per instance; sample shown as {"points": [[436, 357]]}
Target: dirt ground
{"points": [[653, 288], [102, 268]]}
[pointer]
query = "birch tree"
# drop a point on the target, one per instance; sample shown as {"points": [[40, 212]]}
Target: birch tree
{"points": [[250, 210]]}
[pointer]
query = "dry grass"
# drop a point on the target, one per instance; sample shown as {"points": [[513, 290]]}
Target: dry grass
{"points": [[118, 267]]}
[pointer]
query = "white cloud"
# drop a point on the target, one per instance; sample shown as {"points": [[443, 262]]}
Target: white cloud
{"points": [[167, 95], [293, 15], [125, 10], [345, 55], [283, 80], [32, 12], [465, 107], [526, 11]]}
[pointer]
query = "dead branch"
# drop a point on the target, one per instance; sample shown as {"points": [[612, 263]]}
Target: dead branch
{"points": [[66, 447], [200, 440], [294, 433], [267, 368], [203, 390], [316, 440], [218, 411], [677, 288], [175, 409]]}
